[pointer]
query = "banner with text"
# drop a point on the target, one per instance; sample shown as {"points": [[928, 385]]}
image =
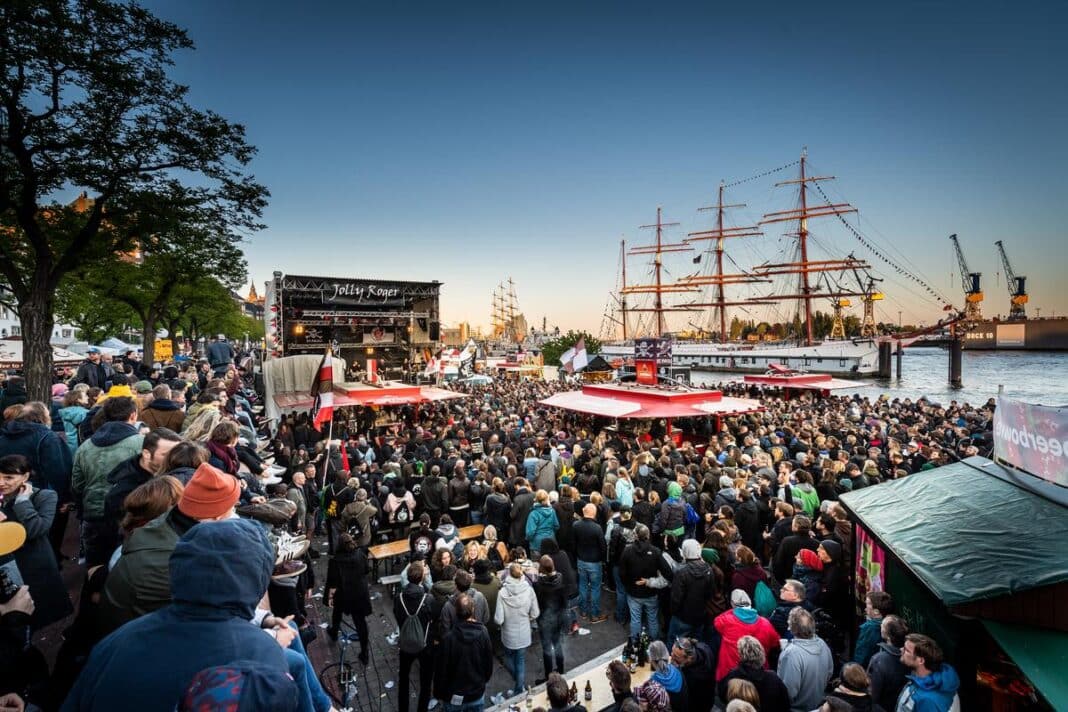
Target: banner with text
{"points": [[1032, 438]]}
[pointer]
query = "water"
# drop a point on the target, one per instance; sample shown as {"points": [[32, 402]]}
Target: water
{"points": [[1031, 376]]}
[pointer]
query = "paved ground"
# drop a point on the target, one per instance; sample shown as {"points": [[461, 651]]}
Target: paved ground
{"points": [[378, 681]]}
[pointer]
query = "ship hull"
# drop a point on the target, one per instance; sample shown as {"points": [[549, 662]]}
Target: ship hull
{"points": [[846, 359], [1029, 335]]}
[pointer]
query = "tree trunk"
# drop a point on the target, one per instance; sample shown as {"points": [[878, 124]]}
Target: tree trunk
{"points": [[148, 339], [37, 316], [172, 331]]}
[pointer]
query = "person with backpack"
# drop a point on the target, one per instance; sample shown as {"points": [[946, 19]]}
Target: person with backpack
{"points": [[459, 489], [542, 522], [356, 519], [435, 495], [399, 506], [413, 609], [346, 590], [336, 496], [623, 535]]}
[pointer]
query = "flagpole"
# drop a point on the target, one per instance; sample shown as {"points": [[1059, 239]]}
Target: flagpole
{"points": [[329, 437]]}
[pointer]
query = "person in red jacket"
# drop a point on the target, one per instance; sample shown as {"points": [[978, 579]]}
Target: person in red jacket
{"points": [[740, 621]]}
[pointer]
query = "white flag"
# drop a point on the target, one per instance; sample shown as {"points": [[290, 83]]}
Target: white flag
{"points": [[581, 359]]}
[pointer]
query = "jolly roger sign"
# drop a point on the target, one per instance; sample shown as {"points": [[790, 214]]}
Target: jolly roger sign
{"points": [[1032, 438]]}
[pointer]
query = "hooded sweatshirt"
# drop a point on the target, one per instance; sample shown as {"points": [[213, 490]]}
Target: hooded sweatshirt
{"points": [[933, 693], [48, 455], [810, 499], [732, 626], [805, 666], [72, 416], [465, 663], [110, 445], [218, 573], [516, 608]]}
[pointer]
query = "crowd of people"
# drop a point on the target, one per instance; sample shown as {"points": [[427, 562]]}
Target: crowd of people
{"points": [[725, 556]]}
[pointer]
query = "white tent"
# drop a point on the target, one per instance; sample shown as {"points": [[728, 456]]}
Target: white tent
{"points": [[11, 355], [293, 374]]}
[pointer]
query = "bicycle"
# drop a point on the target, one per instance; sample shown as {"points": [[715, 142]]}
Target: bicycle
{"points": [[339, 679]]}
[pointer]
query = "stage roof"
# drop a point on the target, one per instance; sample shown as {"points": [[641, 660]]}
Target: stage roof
{"points": [[635, 401], [785, 378]]}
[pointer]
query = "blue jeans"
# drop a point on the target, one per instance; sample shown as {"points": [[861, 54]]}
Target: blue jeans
{"points": [[475, 706], [515, 661], [312, 698], [621, 597], [650, 606], [589, 584], [477, 517]]}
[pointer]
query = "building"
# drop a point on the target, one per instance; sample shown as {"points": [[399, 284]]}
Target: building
{"points": [[456, 335], [391, 322], [11, 325]]}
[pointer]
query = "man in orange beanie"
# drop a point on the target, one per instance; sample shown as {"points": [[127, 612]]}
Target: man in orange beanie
{"points": [[140, 582]]}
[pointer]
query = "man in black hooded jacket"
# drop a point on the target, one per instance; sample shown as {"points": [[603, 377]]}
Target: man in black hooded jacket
{"points": [[465, 661]]}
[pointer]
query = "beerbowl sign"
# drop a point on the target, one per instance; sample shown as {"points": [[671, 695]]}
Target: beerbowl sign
{"points": [[1032, 438]]}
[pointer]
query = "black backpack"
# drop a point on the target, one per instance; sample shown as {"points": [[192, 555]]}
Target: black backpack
{"points": [[355, 530], [413, 633]]}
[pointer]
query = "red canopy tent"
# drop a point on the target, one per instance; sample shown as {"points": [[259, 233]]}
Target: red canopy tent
{"points": [[367, 394], [788, 379], [620, 400]]}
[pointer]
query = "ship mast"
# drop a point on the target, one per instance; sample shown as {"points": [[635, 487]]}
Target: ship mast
{"points": [[719, 279], [805, 267], [658, 288], [623, 292]]}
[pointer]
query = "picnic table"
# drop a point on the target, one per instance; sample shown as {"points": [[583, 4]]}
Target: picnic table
{"points": [[393, 549]]}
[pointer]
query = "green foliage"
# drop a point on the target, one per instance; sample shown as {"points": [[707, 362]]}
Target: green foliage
{"points": [[551, 350], [95, 317], [89, 106]]}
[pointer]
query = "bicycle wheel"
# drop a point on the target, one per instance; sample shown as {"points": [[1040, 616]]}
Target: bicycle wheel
{"points": [[336, 679]]}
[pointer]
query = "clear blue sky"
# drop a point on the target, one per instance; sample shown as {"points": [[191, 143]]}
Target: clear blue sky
{"points": [[468, 142]]}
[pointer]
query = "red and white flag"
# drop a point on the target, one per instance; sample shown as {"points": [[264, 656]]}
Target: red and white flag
{"points": [[323, 392]]}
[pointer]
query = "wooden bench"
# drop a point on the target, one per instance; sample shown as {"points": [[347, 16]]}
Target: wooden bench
{"points": [[394, 549]]}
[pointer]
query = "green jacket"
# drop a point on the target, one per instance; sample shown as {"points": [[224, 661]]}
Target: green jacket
{"points": [[110, 445], [140, 582]]}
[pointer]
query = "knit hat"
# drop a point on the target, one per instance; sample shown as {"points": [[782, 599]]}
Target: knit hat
{"points": [[361, 495], [691, 549], [59, 390], [654, 696], [142, 387], [209, 494], [674, 489], [833, 549], [811, 559], [725, 481], [740, 599]]}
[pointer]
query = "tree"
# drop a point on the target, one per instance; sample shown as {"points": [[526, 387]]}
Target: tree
{"points": [[735, 332], [205, 306], [551, 350], [96, 318], [88, 105]]}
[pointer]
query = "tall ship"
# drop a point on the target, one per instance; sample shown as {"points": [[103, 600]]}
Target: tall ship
{"points": [[643, 309], [1018, 331]]}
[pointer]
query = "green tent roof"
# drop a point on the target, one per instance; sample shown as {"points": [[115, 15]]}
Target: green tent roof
{"points": [[966, 533], [1042, 655]]}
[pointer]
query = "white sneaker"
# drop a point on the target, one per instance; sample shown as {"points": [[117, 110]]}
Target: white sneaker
{"points": [[276, 469]]}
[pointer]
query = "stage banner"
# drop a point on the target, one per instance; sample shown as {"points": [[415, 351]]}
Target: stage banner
{"points": [[870, 573], [1032, 438]]}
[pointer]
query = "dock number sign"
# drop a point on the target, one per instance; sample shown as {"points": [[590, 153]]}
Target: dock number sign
{"points": [[1032, 438]]}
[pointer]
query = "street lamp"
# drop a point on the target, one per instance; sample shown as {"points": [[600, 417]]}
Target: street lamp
{"points": [[899, 320]]}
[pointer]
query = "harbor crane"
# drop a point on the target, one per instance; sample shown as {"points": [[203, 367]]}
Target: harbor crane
{"points": [[1017, 288], [973, 293]]}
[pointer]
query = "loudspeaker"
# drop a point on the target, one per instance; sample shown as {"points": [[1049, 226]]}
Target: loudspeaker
{"points": [[435, 331]]}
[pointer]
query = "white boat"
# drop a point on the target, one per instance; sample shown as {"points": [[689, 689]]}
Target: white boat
{"points": [[851, 359]]}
